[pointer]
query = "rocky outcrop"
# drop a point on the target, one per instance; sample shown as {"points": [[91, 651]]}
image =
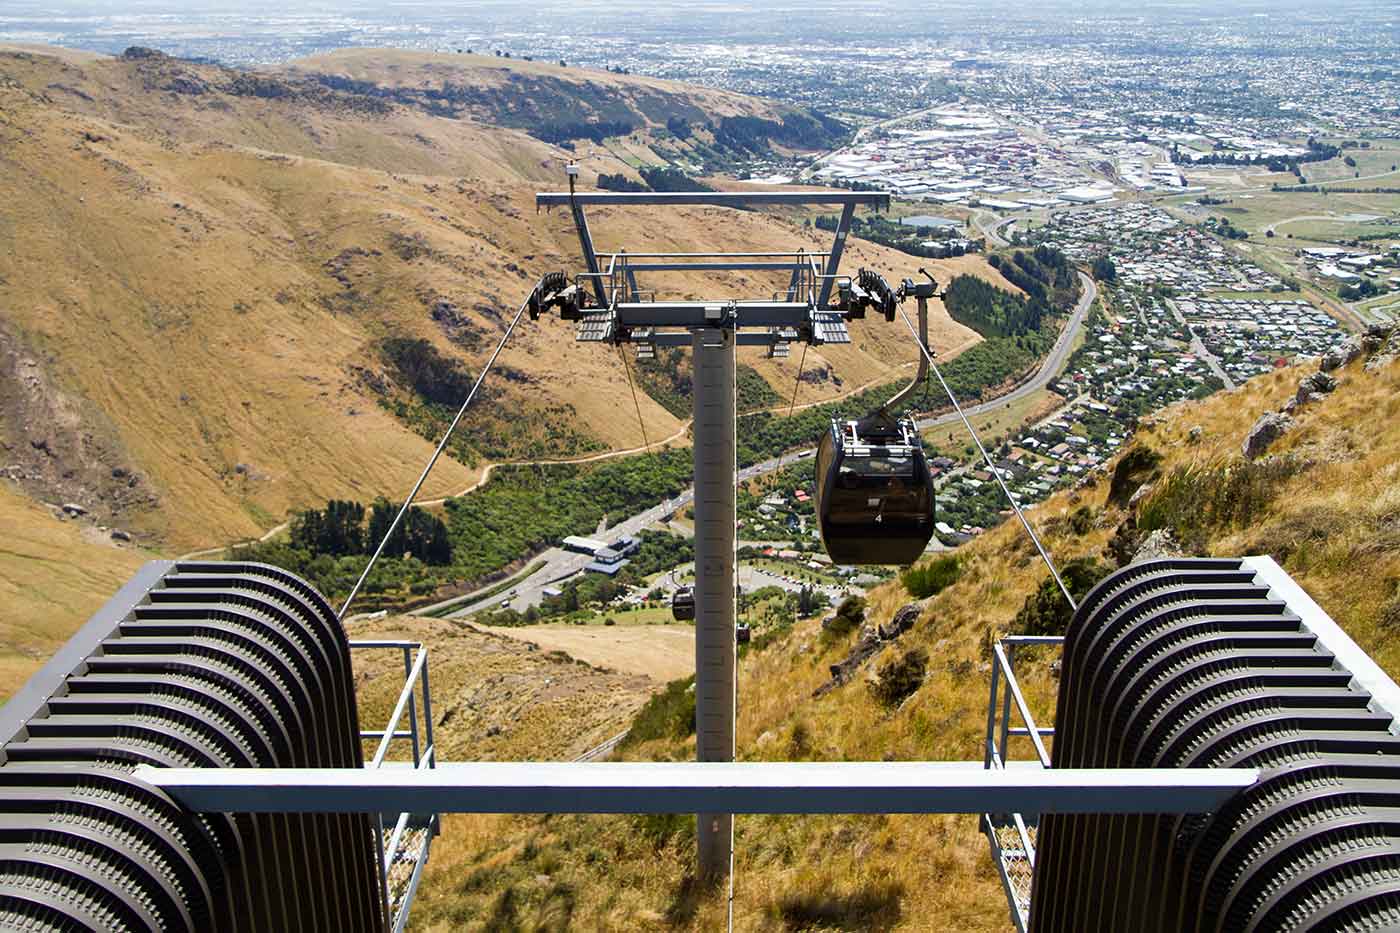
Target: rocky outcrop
{"points": [[901, 622], [456, 324], [1341, 355], [1269, 428], [1382, 345], [1140, 496], [56, 445], [872, 639], [1314, 387], [1158, 545], [843, 671]]}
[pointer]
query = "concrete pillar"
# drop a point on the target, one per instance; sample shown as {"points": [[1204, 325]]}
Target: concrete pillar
{"points": [[715, 479]]}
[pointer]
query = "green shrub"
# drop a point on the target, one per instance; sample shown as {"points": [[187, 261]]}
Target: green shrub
{"points": [[1132, 470], [850, 615], [1081, 520], [669, 714], [900, 677], [932, 578], [1046, 612]]}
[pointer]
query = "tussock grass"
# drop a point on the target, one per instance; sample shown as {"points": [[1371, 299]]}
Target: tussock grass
{"points": [[1196, 500], [1328, 508], [669, 714]]}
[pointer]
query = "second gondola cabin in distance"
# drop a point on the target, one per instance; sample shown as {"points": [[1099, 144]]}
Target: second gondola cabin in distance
{"points": [[874, 491]]}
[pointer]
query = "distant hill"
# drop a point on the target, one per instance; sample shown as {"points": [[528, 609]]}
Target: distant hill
{"points": [[569, 106], [209, 277]]}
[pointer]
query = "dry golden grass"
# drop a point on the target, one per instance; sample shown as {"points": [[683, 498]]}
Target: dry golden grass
{"points": [[661, 652], [177, 271], [545, 704], [405, 67], [53, 575], [1333, 526]]}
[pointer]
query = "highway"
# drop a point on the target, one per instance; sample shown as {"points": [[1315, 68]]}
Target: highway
{"points": [[560, 564]]}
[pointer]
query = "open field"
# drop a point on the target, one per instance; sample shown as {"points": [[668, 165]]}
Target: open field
{"points": [[1383, 157], [952, 439], [661, 652], [645, 615], [497, 698], [1263, 210]]}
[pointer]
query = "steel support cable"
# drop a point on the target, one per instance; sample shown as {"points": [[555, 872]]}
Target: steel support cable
{"points": [[802, 361], [991, 466], [432, 461], [646, 444]]}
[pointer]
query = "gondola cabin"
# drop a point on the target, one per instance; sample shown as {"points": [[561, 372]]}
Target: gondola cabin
{"points": [[683, 604], [874, 492]]}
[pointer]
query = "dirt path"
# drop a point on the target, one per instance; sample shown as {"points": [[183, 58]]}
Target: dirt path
{"points": [[661, 652]]}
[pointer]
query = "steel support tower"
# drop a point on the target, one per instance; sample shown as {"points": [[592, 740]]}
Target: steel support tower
{"points": [[609, 306], [713, 392]]}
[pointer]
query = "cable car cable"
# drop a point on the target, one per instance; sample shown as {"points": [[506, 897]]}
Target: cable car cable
{"points": [[1025, 523], [646, 444], [802, 361], [433, 460]]}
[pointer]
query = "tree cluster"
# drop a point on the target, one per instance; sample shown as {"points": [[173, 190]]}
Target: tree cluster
{"points": [[1104, 270], [619, 182], [418, 365], [796, 130], [991, 311], [567, 131], [339, 530]]}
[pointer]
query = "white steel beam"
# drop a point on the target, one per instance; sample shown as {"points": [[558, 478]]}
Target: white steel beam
{"points": [[701, 787]]}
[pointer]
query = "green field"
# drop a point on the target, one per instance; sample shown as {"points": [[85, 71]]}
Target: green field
{"points": [[655, 615], [796, 570], [1377, 160]]}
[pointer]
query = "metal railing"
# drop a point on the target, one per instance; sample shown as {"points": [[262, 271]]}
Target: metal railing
{"points": [[1012, 835], [617, 271], [412, 834]]}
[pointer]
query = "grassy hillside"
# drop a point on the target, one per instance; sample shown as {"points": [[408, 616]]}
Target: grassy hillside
{"points": [[493, 696], [1325, 503], [203, 273], [54, 573]]}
